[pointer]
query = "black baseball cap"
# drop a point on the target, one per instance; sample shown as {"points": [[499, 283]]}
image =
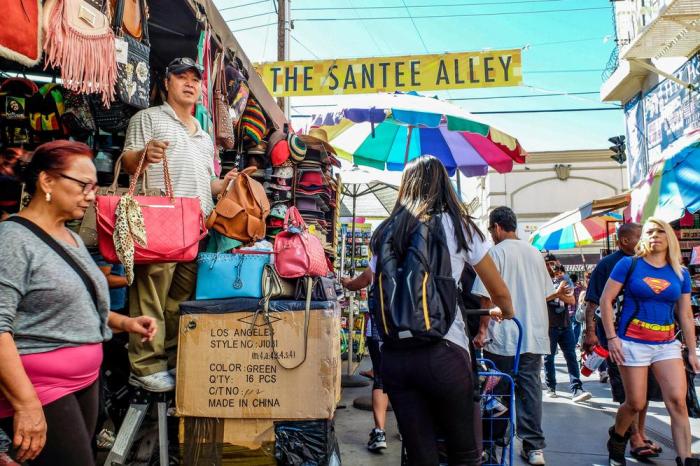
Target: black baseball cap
{"points": [[182, 64]]}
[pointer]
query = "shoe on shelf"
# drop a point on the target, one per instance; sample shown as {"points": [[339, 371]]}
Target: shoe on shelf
{"points": [[603, 376], [377, 440], [579, 395], [158, 382], [616, 448], [552, 393], [533, 457]]}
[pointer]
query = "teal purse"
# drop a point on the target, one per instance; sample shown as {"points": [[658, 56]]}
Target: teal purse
{"points": [[230, 275]]}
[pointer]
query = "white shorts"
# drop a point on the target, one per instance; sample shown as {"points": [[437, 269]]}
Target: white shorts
{"points": [[645, 354]]}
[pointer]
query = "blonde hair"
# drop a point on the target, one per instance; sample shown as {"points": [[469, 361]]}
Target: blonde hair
{"points": [[673, 253]]}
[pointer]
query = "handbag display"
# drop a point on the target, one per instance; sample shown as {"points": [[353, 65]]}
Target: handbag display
{"points": [[322, 289], [174, 226], [298, 252], [276, 287], [76, 29], [88, 227], [224, 125], [133, 74], [230, 275], [20, 32], [241, 210], [113, 119], [77, 117]]}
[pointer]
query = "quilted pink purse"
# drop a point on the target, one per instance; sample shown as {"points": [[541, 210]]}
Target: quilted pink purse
{"points": [[298, 253]]}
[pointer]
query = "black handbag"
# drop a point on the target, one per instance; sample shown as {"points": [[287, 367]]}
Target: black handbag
{"points": [[322, 289], [114, 119], [691, 399], [134, 77]]}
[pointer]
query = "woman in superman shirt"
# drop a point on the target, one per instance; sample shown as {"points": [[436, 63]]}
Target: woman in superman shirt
{"points": [[656, 285]]}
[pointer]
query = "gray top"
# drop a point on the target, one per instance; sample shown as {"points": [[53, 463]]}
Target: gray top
{"points": [[43, 301]]}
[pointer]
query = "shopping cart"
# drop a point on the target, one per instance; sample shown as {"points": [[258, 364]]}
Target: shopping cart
{"points": [[497, 401]]}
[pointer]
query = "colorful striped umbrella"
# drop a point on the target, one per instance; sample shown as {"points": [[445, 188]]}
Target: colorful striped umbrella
{"points": [[387, 130], [673, 186], [574, 229]]}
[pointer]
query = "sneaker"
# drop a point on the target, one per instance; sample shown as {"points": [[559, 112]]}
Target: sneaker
{"points": [[579, 395], [616, 449], [158, 382], [552, 393], [534, 457], [603, 376], [5, 460], [377, 440], [173, 372]]}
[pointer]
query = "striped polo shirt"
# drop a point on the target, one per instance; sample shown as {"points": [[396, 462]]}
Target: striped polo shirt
{"points": [[190, 157]]}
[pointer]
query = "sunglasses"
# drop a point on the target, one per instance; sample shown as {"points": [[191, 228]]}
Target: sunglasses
{"points": [[187, 61]]}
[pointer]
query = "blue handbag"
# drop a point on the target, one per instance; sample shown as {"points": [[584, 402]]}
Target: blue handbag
{"points": [[230, 275]]}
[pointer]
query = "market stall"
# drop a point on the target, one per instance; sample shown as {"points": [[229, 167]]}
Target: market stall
{"points": [[268, 333]]}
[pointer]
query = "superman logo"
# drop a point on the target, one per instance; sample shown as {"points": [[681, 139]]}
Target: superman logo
{"points": [[657, 285]]}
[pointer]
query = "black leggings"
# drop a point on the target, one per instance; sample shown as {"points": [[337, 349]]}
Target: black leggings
{"points": [[71, 422], [432, 393]]}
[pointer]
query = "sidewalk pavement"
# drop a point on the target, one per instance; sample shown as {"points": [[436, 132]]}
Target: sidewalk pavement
{"points": [[576, 434]]}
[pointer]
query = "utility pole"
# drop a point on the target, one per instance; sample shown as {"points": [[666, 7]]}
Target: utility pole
{"points": [[284, 23]]}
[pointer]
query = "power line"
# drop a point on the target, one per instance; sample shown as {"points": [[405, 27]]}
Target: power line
{"points": [[254, 27], [490, 97], [460, 15], [304, 47], [501, 112], [589, 70], [248, 17], [245, 4], [426, 6], [420, 36]]}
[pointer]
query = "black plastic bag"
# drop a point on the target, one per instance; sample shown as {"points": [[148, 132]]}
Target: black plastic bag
{"points": [[306, 443], [691, 399]]}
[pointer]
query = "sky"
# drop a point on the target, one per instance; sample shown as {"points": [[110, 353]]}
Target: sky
{"points": [[566, 46]]}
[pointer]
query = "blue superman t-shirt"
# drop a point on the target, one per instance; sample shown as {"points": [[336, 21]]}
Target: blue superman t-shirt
{"points": [[655, 291]]}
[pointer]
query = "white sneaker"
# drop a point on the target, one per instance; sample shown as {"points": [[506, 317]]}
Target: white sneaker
{"points": [[579, 395], [533, 457], [158, 382]]}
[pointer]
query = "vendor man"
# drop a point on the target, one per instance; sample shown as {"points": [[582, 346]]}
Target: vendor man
{"points": [[158, 289]]}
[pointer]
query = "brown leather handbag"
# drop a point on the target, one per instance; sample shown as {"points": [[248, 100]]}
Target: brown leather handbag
{"points": [[224, 125], [241, 210]]}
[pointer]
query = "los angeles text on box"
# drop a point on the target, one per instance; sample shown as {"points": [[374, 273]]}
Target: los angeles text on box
{"points": [[494, 68]]}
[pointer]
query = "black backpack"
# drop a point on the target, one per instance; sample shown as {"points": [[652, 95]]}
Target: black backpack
{"points": [[415, 295]]}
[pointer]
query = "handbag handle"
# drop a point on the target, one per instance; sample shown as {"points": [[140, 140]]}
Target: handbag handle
{"points": [[265, 302], [166, 174], [297, 220], [118, 169]]}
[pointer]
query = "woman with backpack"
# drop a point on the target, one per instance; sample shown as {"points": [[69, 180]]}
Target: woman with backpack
{"points": [[656, 286], [418, 256]]}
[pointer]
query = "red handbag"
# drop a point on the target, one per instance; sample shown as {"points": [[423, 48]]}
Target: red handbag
{"points": [[174, 225], [298, 253]]}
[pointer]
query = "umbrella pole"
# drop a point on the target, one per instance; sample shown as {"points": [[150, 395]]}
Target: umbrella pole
{"points": [[408, 144], [350, 380], [459, 186]]}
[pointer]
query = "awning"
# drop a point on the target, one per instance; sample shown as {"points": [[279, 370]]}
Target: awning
{"points": [[206, 11]]}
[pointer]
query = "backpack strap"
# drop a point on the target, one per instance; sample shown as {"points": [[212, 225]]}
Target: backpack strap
{"points": [[58, 249]]}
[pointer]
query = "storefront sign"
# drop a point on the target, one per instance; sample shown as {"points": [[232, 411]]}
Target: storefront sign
{"points": [[671, 109], [495, 68]]}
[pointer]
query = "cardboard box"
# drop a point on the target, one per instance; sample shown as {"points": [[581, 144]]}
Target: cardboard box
{"points": [[226, 367]]}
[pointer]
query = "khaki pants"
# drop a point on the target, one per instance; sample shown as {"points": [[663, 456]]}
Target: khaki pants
{"points": [[157, 292]]}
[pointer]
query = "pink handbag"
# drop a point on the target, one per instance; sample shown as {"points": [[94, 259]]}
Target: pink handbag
{"points": [[174, 225], [298, 253]]}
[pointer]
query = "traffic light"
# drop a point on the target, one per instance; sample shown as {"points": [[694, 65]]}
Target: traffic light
{"points": [[618, 149]]}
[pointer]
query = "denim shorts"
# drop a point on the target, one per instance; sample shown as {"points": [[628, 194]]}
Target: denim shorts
{"points": [[646, 354]]}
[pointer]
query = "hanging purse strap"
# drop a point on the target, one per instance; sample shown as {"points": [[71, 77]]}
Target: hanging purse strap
{"points": [[265, 308], [53, 244]]}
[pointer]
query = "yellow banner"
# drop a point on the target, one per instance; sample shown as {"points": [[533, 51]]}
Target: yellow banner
{"points": [[495, 68]]}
